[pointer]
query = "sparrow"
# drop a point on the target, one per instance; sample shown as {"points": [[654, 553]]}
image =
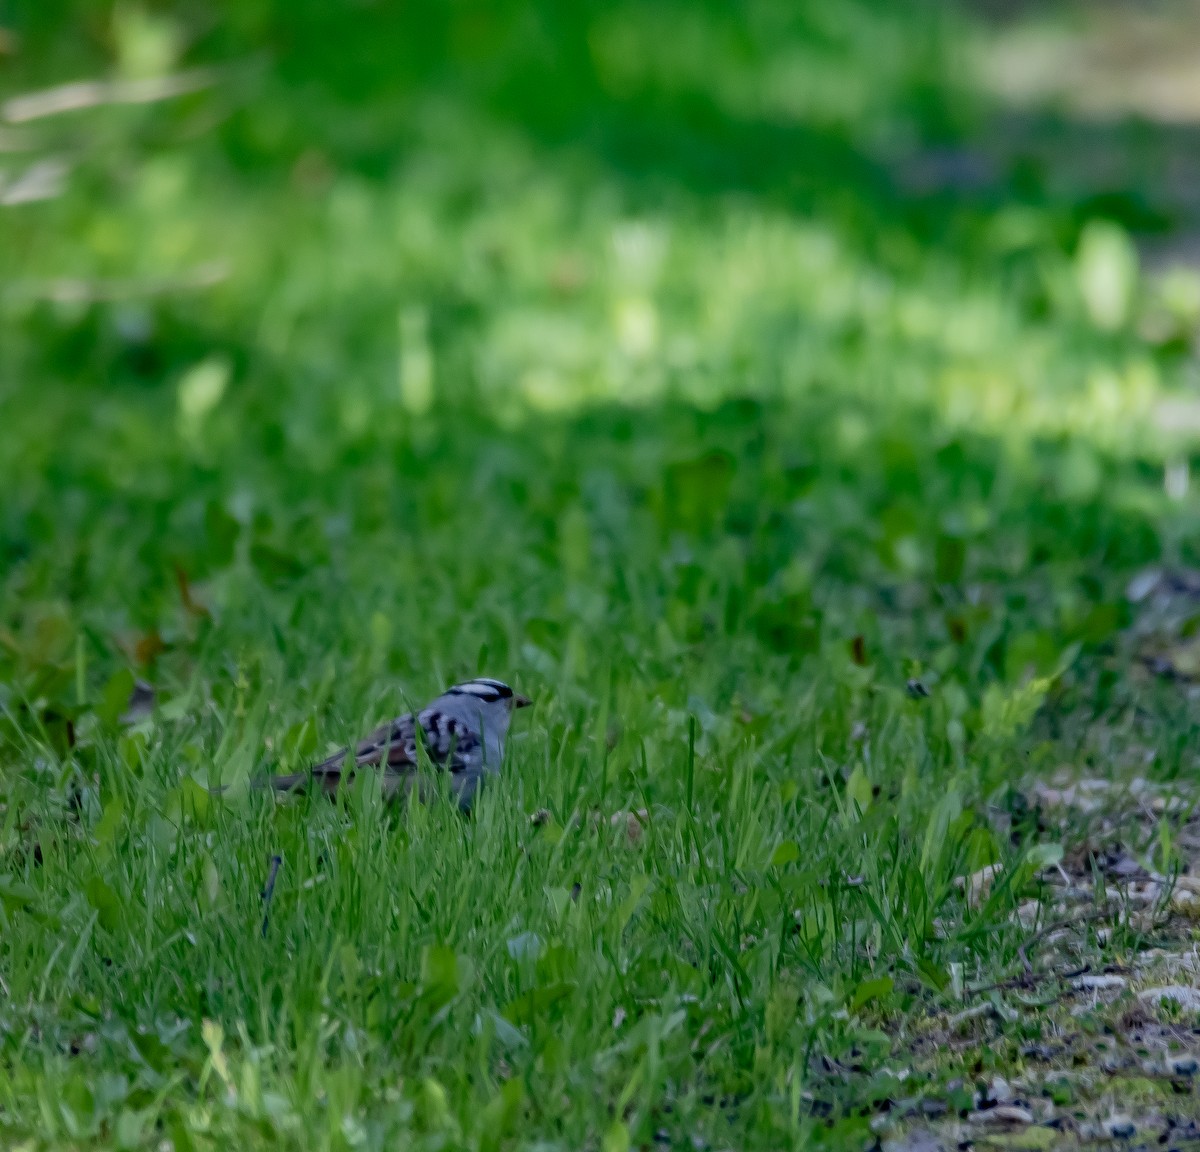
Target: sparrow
{"points": [[462, 732]]}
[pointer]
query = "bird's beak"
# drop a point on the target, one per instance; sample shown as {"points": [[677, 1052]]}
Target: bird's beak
{"points": [[519, 701]]}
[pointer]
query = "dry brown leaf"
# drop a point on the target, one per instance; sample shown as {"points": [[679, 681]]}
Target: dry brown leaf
{"points": [[978, 884]]}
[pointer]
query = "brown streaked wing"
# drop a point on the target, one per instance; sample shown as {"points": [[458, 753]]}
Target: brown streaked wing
{"points": [[393, 737], [393, 740]]}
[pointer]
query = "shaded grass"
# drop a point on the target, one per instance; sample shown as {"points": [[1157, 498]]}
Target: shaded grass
{"points": [[723, 475]]}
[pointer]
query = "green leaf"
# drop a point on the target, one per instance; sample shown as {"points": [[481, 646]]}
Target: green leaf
{"points": [[105, 831], [501, 1111], [523, 1009], [189, 800], [114, 699], [106, 902], [222, 530], [444, 974], [433, 1106], [944, 813], [1007, 712], [1042, 856], [950, 554], [785, 853], [15, 894], [869, 990], [637, 888], [299, 743], [858, 790], [1066, 658], [934, 974], [232, 768], [616, 1139]]}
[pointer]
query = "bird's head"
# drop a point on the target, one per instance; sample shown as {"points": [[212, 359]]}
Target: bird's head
{"points": [[490, 694]]}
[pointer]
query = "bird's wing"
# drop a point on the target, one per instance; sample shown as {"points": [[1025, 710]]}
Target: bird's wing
{"points": [[449, 742], [393, 747]]}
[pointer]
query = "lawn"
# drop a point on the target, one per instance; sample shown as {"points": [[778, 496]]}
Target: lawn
{"points": [[801, 415]]}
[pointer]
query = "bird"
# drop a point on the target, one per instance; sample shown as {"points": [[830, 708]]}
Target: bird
{"points": [[462, 732]]}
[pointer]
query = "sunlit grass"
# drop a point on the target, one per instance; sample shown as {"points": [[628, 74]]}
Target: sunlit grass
{"points": [[807, 526]]}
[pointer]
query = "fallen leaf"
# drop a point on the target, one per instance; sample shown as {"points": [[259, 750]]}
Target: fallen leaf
{"points": [[978, 884], [634, 823], [1099, 983], [1003, 1114], [1187, 998]]}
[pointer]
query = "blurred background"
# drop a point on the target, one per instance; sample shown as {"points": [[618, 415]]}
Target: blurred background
{"points": [[427, 331], [799, 399]]}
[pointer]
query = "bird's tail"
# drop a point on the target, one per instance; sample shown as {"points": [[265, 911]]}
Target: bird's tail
{"points": [[326, 775], [286, 783], [291, 783]]}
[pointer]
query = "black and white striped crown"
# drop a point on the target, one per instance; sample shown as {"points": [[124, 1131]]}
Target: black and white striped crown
{"points": [[484, 688]]}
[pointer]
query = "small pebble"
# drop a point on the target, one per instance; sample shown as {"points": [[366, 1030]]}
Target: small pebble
{"points": [[1187, 998], [1003, 1114], [1120, 1128], [1184, 1065], [1099, 982], [918, 1140], [1000, 1091]]}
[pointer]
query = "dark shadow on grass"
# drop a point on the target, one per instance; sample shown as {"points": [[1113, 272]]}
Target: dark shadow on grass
{"points": [[942, 155]]}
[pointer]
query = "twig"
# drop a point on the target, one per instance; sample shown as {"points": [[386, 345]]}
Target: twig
{"points": [[1025, 980], [984, 1009], [75, 291], [1043, 932], [269, 891], [91, 93]]}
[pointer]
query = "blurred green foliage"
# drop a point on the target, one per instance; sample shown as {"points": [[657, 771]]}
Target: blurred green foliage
{"points": [[711, 372]]}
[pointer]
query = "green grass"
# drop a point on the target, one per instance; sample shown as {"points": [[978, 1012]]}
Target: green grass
{"points": [[497, 345]]}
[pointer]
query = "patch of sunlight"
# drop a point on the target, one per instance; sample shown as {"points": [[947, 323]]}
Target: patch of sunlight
{"points": [[537, 290], [548, 389], [1176, 292], [1128, 60], [147, 44], [639, 249], [416, 360], [1107, 269], [809, 66], [1113, 409], [635, 322], [199, 391], [551, 355]]}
